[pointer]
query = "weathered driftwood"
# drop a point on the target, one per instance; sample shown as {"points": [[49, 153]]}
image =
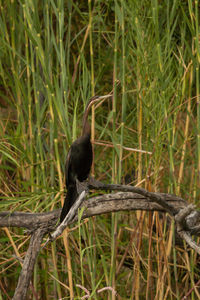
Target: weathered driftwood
{"points": [[126, 199]]}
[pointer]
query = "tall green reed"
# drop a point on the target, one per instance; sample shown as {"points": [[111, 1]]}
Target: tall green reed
{"points": [[54, 56]]}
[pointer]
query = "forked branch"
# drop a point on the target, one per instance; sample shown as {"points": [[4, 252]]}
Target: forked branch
{"points": [[126, 198]]}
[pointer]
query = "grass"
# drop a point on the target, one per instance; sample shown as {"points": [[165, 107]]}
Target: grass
{"points": [[53, 57]]}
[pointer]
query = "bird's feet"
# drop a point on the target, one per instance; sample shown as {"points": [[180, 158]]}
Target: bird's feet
{"points": [[82, 186]]}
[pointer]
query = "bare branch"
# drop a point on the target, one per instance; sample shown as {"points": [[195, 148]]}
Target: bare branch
{"points": [[129, 198], [28, 265], [31, 221], [69, 217], [120, 201], [180, 219], [155, 197]]}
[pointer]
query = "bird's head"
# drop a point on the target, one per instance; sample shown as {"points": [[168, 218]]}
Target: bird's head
{"points": [[92, 101], [96, 99]]}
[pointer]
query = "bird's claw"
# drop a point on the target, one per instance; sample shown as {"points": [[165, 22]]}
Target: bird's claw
{"points": [[82, 186]]}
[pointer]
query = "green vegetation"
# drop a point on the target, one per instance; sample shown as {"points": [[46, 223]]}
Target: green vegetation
{"points": [[53, 56]]}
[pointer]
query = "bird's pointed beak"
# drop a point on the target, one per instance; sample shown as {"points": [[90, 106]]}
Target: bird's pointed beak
{"points": [[105, 96], [101, 99]]}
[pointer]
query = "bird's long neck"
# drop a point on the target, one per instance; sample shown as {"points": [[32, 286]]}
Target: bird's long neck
{"points": [[86, 125], [87, 129]]}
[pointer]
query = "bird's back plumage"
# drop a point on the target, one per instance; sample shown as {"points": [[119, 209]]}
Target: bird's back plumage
{"points": [[78, 165], [70, 198]]}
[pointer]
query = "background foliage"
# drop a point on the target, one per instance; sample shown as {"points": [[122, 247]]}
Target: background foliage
{"points": [[54, 55]]}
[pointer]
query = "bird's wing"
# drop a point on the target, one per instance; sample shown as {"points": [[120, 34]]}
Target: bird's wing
{"points": [[67, 166]]}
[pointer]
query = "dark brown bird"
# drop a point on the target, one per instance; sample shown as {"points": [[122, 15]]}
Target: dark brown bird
{"points": [[79, 159]]}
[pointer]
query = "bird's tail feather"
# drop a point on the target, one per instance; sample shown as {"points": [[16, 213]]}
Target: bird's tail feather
{"points": [[70, 198]]}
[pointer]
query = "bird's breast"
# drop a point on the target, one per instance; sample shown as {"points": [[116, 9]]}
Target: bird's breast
{"points": [[81, 159]]}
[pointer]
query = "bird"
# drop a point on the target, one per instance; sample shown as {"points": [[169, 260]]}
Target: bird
{"points": [[79, 160]]}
